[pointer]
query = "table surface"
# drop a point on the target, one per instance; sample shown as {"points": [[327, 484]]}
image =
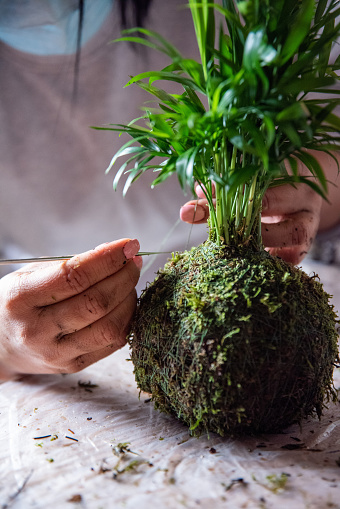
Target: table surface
{"points": [[105, 447]]}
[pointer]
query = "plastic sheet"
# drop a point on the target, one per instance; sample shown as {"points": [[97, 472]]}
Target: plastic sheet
{"points": [[105, 447]]}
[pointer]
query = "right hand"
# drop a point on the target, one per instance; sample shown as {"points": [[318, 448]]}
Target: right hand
{"points": [[61, 317]]}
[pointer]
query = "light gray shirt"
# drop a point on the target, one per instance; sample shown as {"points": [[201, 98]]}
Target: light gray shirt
{"points": [[55, 198]]}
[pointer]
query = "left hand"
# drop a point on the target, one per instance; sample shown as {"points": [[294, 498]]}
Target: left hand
{"points": [[290, 219]]}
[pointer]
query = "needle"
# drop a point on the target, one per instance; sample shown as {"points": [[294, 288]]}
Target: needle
{"points": [[10, 261]]}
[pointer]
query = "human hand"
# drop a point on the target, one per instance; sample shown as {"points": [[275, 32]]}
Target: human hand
{"points": [[64, 316], [290, 219]]}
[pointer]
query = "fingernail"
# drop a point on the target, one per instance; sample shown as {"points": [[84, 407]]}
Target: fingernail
{"points": [[200, 191], [138, 261], [131, 248], [192, 213]]}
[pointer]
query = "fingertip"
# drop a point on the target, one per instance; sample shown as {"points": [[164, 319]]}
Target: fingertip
{"points": [[288, 254], [192, 213], [131, 248], [138, 261], [199, 190]]}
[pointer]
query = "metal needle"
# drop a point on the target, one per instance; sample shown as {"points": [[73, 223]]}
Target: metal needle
{"points": [[11, 261]]}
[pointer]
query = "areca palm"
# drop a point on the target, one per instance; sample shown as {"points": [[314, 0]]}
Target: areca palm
{"points": [[262, 97]]}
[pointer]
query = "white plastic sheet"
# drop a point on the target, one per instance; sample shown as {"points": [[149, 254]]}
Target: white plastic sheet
{"points": [[89, 417]]}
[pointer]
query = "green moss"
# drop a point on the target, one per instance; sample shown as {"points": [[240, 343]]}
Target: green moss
{"points": [[232, 340]]}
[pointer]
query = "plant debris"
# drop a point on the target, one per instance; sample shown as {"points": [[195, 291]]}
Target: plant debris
{"points": [[125, 463], [293, 447], [234, 482], [122, 448], [277, 483], [76, 499], [88, 386], [130, 467]]}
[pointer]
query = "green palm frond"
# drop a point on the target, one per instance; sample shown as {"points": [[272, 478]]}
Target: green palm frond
{"points": [[271, 93]]}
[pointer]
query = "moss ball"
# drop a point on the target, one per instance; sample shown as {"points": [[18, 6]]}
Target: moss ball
{"points": [[234, 341]]}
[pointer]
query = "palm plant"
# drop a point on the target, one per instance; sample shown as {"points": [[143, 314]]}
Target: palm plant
{"points": [[260, 99], [259, 83]]}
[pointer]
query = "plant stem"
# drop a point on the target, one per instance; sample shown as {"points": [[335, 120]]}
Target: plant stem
{"points": [[250, 207], [240, 194], [219, 203]]}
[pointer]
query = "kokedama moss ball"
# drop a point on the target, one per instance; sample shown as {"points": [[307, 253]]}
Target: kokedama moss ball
{"points": [[235, 340]]}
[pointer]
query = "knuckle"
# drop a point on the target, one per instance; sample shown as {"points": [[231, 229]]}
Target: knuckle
{"points": [[51, 357], [302, 230], [13, 300], [111, 262], [30, 331], [133, 274], [265, 202], [76, 278], [117, 327], [77, 364], [112, 331], [95, 302], [113, 347], [298, 234], [27, 335]]}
